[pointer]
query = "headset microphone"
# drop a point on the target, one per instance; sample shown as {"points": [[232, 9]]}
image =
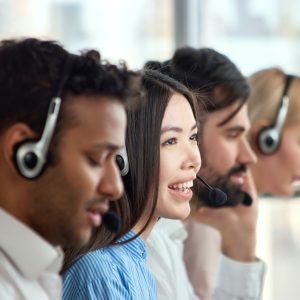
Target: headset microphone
{"points": [[216, 196], [111, 221], [247, 201]]}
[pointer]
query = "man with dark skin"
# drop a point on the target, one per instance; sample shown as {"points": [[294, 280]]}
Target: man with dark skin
{"points": [[62, 121]]}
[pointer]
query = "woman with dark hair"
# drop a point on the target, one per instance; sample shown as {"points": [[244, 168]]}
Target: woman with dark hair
{"points": [[164, 158], [228, 244]]}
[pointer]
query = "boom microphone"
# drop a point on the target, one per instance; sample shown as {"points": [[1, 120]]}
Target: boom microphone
{"points": [[216, 196], [247, 201], [111, 221]]}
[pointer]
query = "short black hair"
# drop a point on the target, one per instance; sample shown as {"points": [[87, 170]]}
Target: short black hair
{"points": [[208, 73], [31, 69]]}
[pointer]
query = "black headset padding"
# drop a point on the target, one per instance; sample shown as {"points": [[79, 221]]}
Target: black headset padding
{"points": [[122, 162]]}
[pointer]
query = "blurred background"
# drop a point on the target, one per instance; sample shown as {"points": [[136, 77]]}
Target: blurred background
{"points": [[253, 33]]}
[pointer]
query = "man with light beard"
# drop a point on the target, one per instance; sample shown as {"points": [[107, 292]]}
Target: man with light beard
{"points": [[226, 156]]}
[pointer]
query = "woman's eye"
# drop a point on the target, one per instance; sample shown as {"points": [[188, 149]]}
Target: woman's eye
{"points": [[171, 141], [194, 137]]}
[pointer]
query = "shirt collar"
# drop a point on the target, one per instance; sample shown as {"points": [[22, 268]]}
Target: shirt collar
{"points": [[172, 228], [30, 253], [135, 247]]}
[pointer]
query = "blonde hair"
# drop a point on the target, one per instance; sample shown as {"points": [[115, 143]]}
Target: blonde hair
{"points": [[266, 88]]}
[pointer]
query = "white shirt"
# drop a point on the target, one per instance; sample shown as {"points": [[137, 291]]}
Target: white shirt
{"points": [[29, 265], [237, 281], [165, 252], [202, 249]]}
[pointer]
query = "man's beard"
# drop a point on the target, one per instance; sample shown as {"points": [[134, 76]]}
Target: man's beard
{"points": [[234, 192]]}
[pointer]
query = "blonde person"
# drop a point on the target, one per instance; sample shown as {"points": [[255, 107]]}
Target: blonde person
{"points": [[274, 110], [274, 136]]}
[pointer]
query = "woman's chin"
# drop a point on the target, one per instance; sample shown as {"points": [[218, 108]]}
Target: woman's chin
{"points": [[181, 214]]}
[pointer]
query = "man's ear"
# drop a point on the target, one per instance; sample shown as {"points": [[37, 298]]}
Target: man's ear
{"points": [[255, 130], [12, 137]]}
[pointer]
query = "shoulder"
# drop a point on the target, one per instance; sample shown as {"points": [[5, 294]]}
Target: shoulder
{"points": [[165, 235], [164, 247], [95, 264], [94, 274], [13, 285], [7, 283]]}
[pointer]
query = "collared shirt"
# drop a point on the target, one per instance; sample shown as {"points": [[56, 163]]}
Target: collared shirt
{"points": [[202, 250], [116, 272], [165, 247], [236, 281], [29, 265]]}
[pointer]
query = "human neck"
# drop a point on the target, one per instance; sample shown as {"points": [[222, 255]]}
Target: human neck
{"points": [[13, 201], [141, 223], [258, 180]]}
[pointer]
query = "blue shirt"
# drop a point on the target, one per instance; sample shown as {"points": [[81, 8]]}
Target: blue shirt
{"points": [[116, 272]]}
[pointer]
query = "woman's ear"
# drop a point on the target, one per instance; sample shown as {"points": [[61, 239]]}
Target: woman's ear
{"points": [[12, 137]]}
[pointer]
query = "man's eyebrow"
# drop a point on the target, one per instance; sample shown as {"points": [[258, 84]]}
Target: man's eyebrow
{"points": [[176, 129], [237, 128]]}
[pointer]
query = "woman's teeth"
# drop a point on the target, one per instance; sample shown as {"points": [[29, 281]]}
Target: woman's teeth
{"points": [[182, 186]]}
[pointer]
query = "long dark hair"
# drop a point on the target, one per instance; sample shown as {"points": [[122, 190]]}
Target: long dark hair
{"points": [[31, 69], [143, 149]]}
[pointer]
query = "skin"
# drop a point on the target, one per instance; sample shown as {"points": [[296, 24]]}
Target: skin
{"points": [[283, 165], [226, 147], [179, 161], [68, 200], [179, 158]]}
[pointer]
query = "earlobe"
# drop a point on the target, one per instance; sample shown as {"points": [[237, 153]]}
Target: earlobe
{"points": [[14, 136]]}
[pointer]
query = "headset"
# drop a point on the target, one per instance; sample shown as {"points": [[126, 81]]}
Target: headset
{"points": [[122, 162], [216, 197], [31, 156], [268, 139]]}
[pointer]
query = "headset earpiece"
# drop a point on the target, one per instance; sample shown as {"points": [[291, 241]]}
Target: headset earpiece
{"points": [[122, 162], [269, 138], [27, 160], [30, 156]]}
